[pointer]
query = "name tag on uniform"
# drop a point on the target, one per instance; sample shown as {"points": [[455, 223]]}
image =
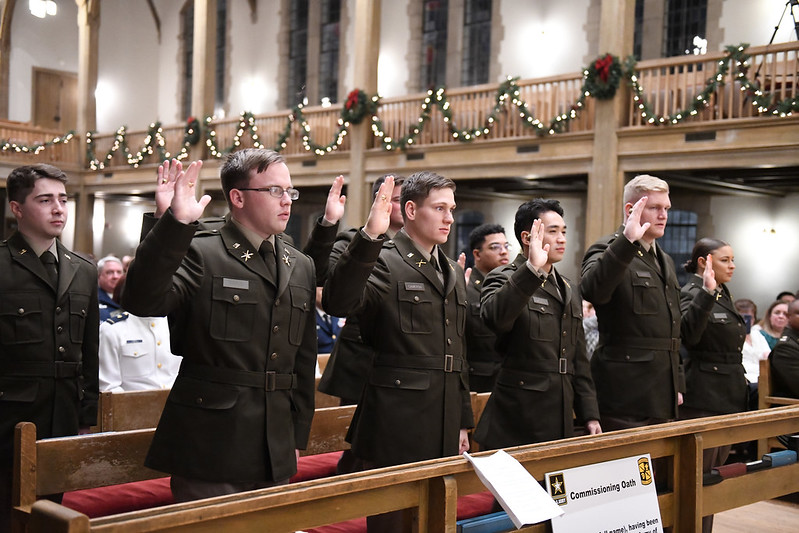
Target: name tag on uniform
{"points": [[414, 286], [540, 301], [241, 284], [643, 274], [133, 341], [719, 315]]}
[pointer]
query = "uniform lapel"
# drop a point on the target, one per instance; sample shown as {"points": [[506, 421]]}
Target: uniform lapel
{"points": [[240, 248], [285, 264], [23, 254], [448, 267], [412, 256], [67, 268]]}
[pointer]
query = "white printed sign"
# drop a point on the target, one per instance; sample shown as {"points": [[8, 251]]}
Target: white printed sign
{"points": [[612, 497]]}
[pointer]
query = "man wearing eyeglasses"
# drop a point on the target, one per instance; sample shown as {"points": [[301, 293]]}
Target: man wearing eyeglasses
{"points": [[490, 250], [240, 301], [537, 316]]}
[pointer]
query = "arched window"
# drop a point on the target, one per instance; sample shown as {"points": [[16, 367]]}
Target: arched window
{"points": [[476, 58]]}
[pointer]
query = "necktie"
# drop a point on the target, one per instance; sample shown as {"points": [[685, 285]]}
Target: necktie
{"points": [[435, 265], [654, 257], [551, 279], [51, 266], [267, 252]]}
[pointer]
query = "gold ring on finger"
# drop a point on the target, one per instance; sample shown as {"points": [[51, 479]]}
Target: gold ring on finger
{"points": [[191, 184]]}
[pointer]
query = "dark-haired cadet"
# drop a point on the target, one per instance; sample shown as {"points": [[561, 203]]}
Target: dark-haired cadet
{"points": [[713, 333], [49, 329], [545, 377], [410, 299], [489, 247]]}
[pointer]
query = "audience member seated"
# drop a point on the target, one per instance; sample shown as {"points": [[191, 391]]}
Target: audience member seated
{"points": [[328, 327], [135, 353], [772, 324], [786, 297], [755, 347], [109, 270], [785, 357]]}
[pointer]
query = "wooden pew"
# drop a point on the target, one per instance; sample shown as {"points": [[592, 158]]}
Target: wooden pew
{"points": [[432, 487], [66, 464], [766, 400], [122, 411]]}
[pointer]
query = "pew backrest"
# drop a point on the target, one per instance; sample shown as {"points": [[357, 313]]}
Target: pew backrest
{"points": [[123, 411]]}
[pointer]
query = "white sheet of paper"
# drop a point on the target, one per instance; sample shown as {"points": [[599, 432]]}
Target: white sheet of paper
{"points": [[520, 495]]}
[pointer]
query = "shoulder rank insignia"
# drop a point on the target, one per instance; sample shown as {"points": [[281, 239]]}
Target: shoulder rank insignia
{"points": [[236, 245]]}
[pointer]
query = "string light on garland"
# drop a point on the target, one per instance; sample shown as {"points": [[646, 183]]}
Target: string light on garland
{"points": [[246, 126], [36, 148], [764, 103], [154, 142]]}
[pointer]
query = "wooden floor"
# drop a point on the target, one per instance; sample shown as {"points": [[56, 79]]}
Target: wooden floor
{"points": [[771, 516]]}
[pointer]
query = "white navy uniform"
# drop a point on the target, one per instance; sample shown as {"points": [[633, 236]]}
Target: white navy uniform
{"points": [[135, 354]]}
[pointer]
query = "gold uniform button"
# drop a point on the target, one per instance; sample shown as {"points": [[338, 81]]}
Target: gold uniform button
{"points": [[275, 329], [564, 333], [198, 401], [449, 341], [159, 365], [521, 383], [277, 302], [415, 298], [61, 349], [446, 321], [236, 298], [21, 311], [397, 382], [59, 329], [273, 356], [158, 343]]}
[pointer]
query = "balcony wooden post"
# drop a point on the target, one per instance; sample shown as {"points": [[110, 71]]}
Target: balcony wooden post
{"points": [[88, 54], [366, 49], [606, 181], [203, 58]]}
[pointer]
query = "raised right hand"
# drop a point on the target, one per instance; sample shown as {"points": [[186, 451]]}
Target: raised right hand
{"points": [[185, 206], [380, 213]]}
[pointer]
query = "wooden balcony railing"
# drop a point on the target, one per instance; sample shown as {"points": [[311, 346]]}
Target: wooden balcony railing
{"points": [[668, 88], [670, 85]]}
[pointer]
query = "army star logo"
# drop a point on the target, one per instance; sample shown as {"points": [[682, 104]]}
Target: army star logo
{"points": [[246, 256], [286, 260]]}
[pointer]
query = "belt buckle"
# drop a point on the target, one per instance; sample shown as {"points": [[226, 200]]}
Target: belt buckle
{"points": [[449, 361], [270, 381], [562, 365], [675, 345]]}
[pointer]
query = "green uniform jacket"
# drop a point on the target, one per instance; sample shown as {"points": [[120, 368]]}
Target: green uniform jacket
{"points": [[350, 360], [244, 397], [484, 360], [713, 333], [416, 398], [48, 343], [784, 360], [636, 366], [545, 377]]}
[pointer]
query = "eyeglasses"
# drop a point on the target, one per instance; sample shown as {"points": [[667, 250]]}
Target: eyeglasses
{"points": [[497, 247], [275, 190]]}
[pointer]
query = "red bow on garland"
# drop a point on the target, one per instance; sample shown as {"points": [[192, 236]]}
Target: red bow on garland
{"points": [[602, 66], [352, 99]]}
